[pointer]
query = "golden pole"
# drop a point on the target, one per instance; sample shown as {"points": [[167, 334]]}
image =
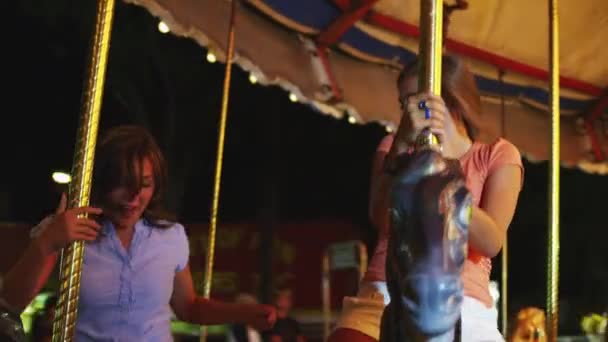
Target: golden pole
{"points": [[504, 282], [504, 287], [218, 166], [326, 293], [360, 264], [431, 31], [553, 236], [431, 49], [82, 172], [362, 260]]}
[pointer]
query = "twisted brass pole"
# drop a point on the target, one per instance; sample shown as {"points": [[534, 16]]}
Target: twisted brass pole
{"points": [[553, 236], [82, 172]]}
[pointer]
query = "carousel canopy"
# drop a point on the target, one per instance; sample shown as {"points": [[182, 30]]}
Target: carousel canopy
{"points": [[342, 57]]}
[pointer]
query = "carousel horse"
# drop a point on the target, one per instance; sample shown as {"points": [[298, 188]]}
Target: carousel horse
{"points": [[11, 328], [530, 326], [430, 213]]}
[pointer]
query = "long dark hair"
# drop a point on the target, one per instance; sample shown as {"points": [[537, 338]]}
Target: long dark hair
{"points": [[458, 90], [117, 154]]}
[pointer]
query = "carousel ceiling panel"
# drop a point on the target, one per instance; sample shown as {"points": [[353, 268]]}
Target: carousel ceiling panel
{"points": [[518, 29], [275, 41]]}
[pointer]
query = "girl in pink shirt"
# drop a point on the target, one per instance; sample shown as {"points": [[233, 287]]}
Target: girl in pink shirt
{"points": [[493, 175]]}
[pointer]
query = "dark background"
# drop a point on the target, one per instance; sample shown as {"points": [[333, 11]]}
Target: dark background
{"points": [[281, 159]]}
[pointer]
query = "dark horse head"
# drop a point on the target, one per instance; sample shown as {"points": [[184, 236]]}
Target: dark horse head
{"points": [[430, 213]]}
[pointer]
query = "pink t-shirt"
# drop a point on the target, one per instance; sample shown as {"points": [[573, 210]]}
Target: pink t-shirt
{"points": [[478, 163]]}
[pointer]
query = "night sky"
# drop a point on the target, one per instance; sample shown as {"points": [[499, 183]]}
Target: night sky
{"points": [[318, 165]]}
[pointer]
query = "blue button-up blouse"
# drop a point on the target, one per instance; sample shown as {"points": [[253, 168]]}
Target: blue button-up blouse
{"points": [[125, 294]]}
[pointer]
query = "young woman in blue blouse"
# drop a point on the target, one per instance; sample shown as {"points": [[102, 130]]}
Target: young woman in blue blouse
{"points": [[136, 260]]}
